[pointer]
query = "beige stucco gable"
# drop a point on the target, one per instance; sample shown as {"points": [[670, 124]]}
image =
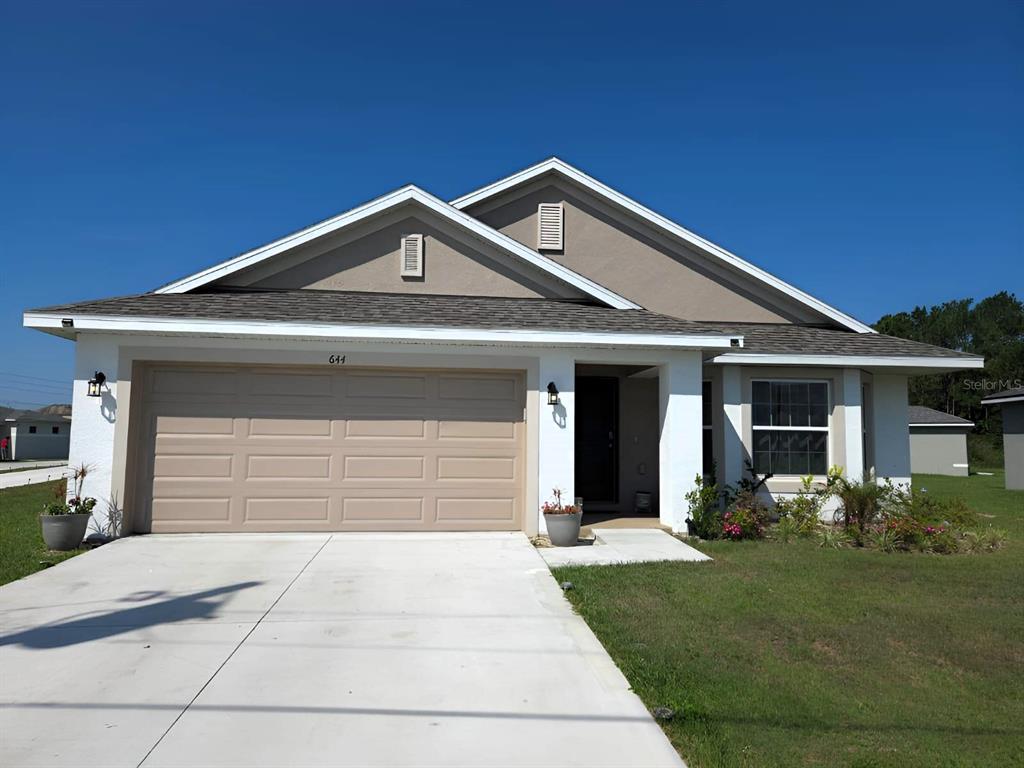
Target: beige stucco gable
{"points": [[635, 261], [365, 257]]}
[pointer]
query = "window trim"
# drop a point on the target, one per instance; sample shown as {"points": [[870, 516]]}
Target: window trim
{"points": [[829, 407]]}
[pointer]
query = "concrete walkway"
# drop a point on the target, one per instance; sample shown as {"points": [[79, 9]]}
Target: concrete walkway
{"points": [[310, 650], [615, 546], [40, 474]]}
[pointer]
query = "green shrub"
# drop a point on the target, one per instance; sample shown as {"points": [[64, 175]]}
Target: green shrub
{"points": [[987, 540], [925, 508], [704, 509], [802, 510], [746, 518], [784, 530], [860, 504], [833, 537]]}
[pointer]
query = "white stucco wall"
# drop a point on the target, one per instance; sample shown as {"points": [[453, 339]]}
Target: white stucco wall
{"points": [[680, 449]]}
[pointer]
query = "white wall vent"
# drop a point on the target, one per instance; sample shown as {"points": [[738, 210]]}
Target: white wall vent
{"points": [[412, 256], [549, 226]]}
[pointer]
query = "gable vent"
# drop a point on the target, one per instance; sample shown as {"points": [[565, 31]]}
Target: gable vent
{"points": [[412, 256], [549, 227]]}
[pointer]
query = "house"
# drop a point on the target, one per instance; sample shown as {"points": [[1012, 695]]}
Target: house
{"points": [[938, 442], [36, 435], [1012, 403], [416, 364]]}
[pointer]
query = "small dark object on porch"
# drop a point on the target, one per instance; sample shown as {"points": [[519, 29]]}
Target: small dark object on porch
{"points": [[566, 586], [663, 713]]}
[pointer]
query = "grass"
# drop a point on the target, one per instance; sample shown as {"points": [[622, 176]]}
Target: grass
{"points": [[789, 654], [21, 543]]}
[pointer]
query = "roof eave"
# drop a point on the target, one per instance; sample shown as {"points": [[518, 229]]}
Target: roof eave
{"points": [[898, 363], [88, 323]]}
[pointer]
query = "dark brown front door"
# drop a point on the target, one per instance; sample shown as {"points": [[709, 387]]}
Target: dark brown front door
{"points": [[597, 439]]}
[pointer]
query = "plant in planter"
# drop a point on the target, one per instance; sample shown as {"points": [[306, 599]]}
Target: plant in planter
{"points": [[562, 521], [64, 520]]}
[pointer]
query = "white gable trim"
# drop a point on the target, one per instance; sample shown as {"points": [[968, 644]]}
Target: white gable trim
{"points": [[406, 194], [554, 165]]}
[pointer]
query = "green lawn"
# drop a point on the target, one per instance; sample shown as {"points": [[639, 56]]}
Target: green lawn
{"points": [[21, 544], [788, 654]]}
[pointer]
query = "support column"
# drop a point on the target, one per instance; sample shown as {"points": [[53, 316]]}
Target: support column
{"points": [[733, 452], [681, 447], [889, 428], [556, 431], [853, 415], [92, 427]]}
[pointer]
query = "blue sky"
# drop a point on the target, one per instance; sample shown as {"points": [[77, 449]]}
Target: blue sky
{"points": [[870, 154]]}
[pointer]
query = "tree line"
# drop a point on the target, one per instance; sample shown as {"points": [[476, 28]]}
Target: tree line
{"points": [[992, 327]]}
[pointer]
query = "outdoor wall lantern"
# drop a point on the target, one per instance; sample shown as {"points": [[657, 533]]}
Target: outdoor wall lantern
{"points": [[552, 393], [95, 383]]}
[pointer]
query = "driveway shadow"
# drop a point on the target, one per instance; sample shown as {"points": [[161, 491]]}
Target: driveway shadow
{"points": [[197, 605]]}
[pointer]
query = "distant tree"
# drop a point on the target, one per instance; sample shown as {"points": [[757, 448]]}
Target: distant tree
{"points": [[994, 328]]}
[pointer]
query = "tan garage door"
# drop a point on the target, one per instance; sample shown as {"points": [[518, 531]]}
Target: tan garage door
{"points": [[285, 449]]}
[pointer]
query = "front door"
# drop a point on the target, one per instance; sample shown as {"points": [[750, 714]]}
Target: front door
{"points": [[597, 447]]}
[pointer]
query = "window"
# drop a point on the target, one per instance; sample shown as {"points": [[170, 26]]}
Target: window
{"points": [[412, 256], [31, 430], [709, 443], [550, 223], [55, 430], [790, 423]]}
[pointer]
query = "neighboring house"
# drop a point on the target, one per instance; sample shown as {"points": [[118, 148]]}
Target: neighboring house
{"points": [[938, 442], [1012, 403], [416, 364], [36, 435]]}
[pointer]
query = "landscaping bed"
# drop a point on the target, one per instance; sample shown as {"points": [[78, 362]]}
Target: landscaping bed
{"points": [[21, 544], [800, 654]]}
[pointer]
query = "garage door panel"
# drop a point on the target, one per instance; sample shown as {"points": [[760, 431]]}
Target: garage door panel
{"points": [[294, 427], [191, 465], [192, 510], [385, 467], [480, 510], [476, 468], [277, 467], [286, 510], [383, 508], [385, 428], [448, 429], [361, 449], [193, 426]]}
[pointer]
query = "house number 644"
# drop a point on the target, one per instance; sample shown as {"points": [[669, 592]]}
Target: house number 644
{"points": [[336, 360]]}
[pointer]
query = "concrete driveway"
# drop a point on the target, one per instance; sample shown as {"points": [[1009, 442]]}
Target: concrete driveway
{"points": [[310, 650]]}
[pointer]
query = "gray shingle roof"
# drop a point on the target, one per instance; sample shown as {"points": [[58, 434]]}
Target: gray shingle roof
{"points": [[394, 309], [1008, 394], [768, 338], [919, 414]]}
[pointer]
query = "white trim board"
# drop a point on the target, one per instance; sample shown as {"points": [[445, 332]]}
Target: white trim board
{"points": [[1013, 399], [850, 361], [946, 426], [414, 194], [406, 334], [554, 165]]}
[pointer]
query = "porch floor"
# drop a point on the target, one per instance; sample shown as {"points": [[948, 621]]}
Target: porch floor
{"points": [[593, 520], [612, 546]]}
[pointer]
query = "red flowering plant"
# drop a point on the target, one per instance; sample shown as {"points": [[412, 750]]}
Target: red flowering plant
{"points": [[746, 518], [557, 507]]}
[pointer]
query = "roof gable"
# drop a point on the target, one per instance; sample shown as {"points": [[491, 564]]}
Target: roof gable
{"points": [[405, 195], [554, 166]]}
